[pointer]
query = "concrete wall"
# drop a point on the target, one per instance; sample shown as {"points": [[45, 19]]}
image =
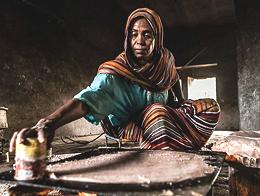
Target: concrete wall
{"points": [[248, 59]]}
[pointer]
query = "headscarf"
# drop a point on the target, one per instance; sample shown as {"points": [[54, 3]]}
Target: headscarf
{"points": [[160, 73]]}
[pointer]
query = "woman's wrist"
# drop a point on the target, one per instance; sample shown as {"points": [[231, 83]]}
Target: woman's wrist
{"points": [[45, 124]]}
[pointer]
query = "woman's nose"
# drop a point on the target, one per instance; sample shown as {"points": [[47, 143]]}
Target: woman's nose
{"points": [[140, 39]]}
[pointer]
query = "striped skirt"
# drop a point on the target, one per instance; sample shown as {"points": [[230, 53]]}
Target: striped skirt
{"points": [[160, 126]]}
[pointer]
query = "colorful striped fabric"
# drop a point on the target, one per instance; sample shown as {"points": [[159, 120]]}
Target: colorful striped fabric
{"points": [[162, 127], [159, 74], [156, 77]]}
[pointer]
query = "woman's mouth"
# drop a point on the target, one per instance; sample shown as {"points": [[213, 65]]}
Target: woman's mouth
{"points": [[140, 51]]}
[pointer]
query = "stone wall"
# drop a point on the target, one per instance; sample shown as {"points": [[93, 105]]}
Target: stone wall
{"points": [[248, 59]]}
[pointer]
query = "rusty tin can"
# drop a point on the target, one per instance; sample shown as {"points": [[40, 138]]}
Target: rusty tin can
{"points": [[30, 160]]}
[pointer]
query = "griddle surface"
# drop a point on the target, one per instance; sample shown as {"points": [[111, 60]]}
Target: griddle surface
{"points": [[201, 184]]}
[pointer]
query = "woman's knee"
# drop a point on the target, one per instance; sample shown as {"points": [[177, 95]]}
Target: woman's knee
{"points": [[206, 105], [153, 113]]}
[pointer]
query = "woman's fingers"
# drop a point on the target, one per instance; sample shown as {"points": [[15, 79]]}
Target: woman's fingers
{"points": [[21, 134], [41, 136], [17, 137], [12, 142], [39, 131]]}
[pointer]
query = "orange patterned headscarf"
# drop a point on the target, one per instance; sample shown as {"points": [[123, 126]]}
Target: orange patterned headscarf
{"points": [[158, 75]]}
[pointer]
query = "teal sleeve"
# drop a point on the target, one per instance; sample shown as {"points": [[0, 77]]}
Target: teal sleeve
{"points": [[98, 96], [116, 98]]}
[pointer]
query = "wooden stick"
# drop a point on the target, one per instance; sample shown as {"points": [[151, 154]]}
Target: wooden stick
{"points": [[197, 66]]}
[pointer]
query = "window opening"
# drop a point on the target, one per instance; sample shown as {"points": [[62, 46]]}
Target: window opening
{"points": [[201, 88]]}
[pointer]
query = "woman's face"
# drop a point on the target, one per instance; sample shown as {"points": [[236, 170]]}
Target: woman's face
{"points": [[142, 41]]}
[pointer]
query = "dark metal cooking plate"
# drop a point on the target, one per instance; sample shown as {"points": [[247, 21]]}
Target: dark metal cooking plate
{"points": [[199, 185]]}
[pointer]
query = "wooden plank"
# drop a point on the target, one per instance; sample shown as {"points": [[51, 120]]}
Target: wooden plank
{"points": [[196, 66]]}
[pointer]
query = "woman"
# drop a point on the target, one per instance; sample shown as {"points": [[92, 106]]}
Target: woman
{"points": [[129, 96]]}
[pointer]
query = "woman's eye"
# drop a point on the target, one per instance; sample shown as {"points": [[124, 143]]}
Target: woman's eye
{"points": [[134, 34], [148, 35]]}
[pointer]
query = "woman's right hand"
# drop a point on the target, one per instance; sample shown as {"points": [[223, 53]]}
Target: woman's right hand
{"points": [[42, 130]]}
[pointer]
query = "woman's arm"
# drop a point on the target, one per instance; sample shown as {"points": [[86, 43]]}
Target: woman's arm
{"points": [[70, 111], [178, 92], [45, 128]]}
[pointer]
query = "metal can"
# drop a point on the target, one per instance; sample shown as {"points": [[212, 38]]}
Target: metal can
{"points": [[30, 160]]}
